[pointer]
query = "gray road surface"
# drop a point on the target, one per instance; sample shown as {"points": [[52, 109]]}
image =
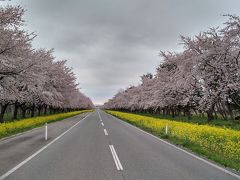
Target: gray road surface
{"points": [[112, 149], [14, 150]]}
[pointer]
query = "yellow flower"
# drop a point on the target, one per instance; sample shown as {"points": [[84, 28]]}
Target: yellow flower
{"points": [[16, 126], [222, 141]]}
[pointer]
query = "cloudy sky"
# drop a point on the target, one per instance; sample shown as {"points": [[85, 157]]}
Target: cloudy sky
{"points": [[111, 43]]}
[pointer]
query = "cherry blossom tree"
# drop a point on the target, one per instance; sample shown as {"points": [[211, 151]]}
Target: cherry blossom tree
{"points": [[32, 79], [204, 77]]}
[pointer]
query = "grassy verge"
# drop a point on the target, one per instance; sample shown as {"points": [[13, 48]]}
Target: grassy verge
{"points": [[8, 116], [10, 128], [221, 145], [198, 119]]}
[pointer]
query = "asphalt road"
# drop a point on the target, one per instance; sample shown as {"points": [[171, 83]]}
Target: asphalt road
{"points": [[16, 149], [101, 147]]}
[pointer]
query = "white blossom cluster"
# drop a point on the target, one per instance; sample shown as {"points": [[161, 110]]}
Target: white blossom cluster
{"points": [[204, 77], [32, 78]]}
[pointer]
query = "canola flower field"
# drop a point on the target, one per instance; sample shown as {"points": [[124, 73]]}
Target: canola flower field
{"points": [[219, 144], [14, 127]]}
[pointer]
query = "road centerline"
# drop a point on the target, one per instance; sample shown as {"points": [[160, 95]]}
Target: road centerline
{"points": [[180, 149], [99, 116], [105, 132], [116, 159], [112, 149]]}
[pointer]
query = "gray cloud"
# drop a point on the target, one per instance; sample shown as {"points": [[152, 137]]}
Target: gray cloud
{"points": [[111, 43]]}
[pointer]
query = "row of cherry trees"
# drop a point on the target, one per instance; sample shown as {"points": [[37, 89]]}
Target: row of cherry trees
{"points": [[31, 79], [203, 78]]}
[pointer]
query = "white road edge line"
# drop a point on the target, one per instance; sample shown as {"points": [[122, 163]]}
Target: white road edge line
{"points": [[193, 155], [105, 132], [102, 124], [39, 151], [116, 159]]}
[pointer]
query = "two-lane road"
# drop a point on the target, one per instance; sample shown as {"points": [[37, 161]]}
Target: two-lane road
{"points": [[101, 147]]}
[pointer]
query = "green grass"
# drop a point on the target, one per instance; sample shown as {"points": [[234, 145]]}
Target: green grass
{"points": [[14, 127], [198, 120]]}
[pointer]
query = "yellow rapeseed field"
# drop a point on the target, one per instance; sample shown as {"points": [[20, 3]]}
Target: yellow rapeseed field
{"points": [[222, 142], [9, 128]]}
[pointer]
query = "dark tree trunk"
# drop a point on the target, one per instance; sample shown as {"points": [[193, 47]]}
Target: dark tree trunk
{"points": [[167, 112], [24, 112], [210, 115], [33, 111], [50, 110], [15, 111], [39, 111], [173, 113], [230, 111], [188, 113], [220, 110], [3, 110], [178, 112], [196, 113], [164, 112], [45, 110]]}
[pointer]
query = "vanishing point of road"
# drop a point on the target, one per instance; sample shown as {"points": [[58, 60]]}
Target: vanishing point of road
{"points": [[102, 147]]}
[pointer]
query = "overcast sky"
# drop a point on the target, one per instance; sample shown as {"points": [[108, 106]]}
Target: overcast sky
{"points": [[111, 43]]}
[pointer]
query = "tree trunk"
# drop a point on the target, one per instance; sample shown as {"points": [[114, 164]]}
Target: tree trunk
{"points": [[32, 111], [24, 109], [230, 111], [210, 115], [2, 112], [50, 110], [188, 113], [173, 113], [221, 111], [15, 111], [196, 113], [45, 110], [39, 111], [224, 109]]}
